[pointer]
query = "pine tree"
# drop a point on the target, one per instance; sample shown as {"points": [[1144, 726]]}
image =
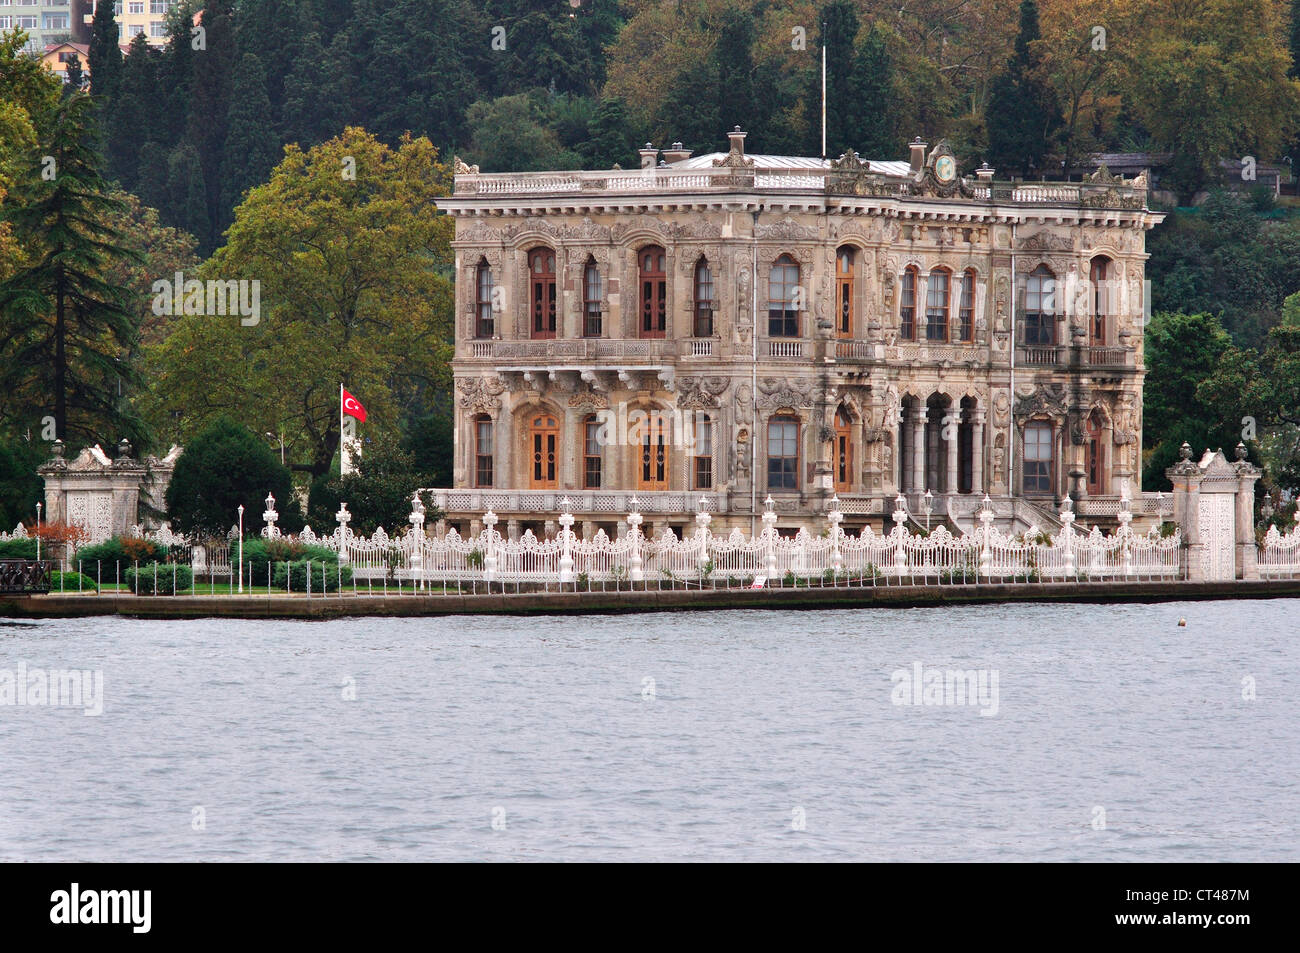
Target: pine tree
{"points": [[104, 54], [75, 79], [187, 204], [734, 64], [314, 94], [209, 108], [64, 326], [609, 140], [839, 30], [151, 183], [873, 89], [271, 30], [131, 112], [252, 146], [1022, 112]]}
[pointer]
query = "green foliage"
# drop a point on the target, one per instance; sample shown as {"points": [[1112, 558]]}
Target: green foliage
{"points": [[18, 549], [115, 556], [224, 467], [377, 494], [258, 552], [515, 134], [163, 579], [325, 577], [20, 486], [72, 582], [1023, 113]]}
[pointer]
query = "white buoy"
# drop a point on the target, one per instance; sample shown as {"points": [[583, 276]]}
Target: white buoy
{"points": [[1182, 623]]}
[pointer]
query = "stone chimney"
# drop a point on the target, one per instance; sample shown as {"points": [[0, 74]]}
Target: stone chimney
{"points": [[676, 153], [918, 155], [649, 156], [737, 140]]}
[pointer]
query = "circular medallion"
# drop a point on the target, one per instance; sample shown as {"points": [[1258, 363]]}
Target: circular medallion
{"points": [[945, 168]]}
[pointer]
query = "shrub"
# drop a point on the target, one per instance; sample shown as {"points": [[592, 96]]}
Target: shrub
{"points": [[71, 582], [19, 549], [142, 580], [259, 552], [117, 555], [325, 577]]}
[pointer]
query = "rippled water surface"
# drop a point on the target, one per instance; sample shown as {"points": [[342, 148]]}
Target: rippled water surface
{"points": [[755, 724]]}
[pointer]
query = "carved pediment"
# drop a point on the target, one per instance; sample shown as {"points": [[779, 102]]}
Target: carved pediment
{"points": [[1049, 399], [788, 230]]}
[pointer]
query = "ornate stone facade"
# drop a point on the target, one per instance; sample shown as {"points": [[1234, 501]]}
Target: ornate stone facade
{"points": [[738, 325]]}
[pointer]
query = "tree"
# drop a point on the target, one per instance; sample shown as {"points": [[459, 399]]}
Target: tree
{"points": [[132, 109], [251, 149], [733, 64], [514, 134], [64, 327], [354, 289], [210, 103], [74, 80], [1022, 109], [224, 467], [873, 85], [1210, 83], [104, 54], [610, 140], [187, 204], [838, 31]]}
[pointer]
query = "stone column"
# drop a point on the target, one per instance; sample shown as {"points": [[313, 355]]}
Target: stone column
{"points": [[977, 453], [952, 448], [512, 529], [918, 450], [1186, 478], [1247, 560]]}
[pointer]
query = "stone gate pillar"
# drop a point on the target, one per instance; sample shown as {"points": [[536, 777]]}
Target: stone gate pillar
{"points": [[1214, 506]]}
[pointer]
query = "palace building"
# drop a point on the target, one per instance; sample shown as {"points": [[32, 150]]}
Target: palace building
{"points": [[716, 330]]}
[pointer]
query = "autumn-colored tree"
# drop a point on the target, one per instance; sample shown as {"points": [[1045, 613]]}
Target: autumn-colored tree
{"points": [[353, 264]]}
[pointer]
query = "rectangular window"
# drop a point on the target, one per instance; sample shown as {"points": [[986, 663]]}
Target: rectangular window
{"points": [[56, 21], [1038, 459], [703, 301], [26, 23], [907, 306], [591, 455], [161, 6], [936, 306], [484, 325], [704, 453], [135, 7], [783, 455], [4, 23], [966, 308], [135, 29], [591, 296], [157, 28], [782, 316], [483, 453]]}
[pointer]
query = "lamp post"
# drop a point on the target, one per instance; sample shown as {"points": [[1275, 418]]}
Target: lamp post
{"points": [[241, 548], [281, 440], [929, 508], [38, 532]]}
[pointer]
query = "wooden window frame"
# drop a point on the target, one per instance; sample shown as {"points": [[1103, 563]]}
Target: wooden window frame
{"points": [[542, 292], [1045, 475], [844, 303], [484, 463], [592, 471], [1044, 322], [652, 293], [484, 319], [592, 295], [937, 314], [907, 303], [789, 471], [702, 460], [782, 317], [702, 326], [966, 308]]}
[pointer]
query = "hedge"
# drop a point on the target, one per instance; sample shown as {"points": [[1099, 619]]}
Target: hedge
{"points": [[142, 581], [259, 552], [325, 577], [19, 549], [115, 556], [71, 582]]}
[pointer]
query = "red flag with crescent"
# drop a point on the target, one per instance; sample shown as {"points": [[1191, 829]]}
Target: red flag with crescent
{"points": [[352, 407]]}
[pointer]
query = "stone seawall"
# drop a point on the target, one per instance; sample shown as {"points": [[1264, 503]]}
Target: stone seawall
{"points": [[557, 603]]}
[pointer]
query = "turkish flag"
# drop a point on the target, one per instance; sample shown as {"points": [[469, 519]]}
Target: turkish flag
{"points": [[352, 407]]}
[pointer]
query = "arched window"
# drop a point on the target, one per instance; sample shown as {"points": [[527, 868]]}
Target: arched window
{"points": [[936, 305], [843, 451], [482, 450], [783, 299], [1037, 472], [966, 308], [907, 305], [591, 298], [704, 303], [703, 452], [844, 292], [541, 277], [654, 291], [591, 440], [1040, 307], [544, 444], [783, 453], [484, 326], [1098, 274]]}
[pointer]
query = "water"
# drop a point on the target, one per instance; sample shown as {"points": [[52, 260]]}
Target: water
{"points": [[756, 719]]}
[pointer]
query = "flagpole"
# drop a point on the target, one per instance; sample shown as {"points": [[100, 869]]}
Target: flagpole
{"points": [[343, 466], [823, 90]]}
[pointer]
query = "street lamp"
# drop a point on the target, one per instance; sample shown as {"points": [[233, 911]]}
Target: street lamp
{"points": [[38, 532], [281, 440], [241, 548], [929, 507]]}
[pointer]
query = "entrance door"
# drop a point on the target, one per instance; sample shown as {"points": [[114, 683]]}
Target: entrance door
{"points": [[544, 436], [1215, 530], [652, 466], [843, 453]]}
